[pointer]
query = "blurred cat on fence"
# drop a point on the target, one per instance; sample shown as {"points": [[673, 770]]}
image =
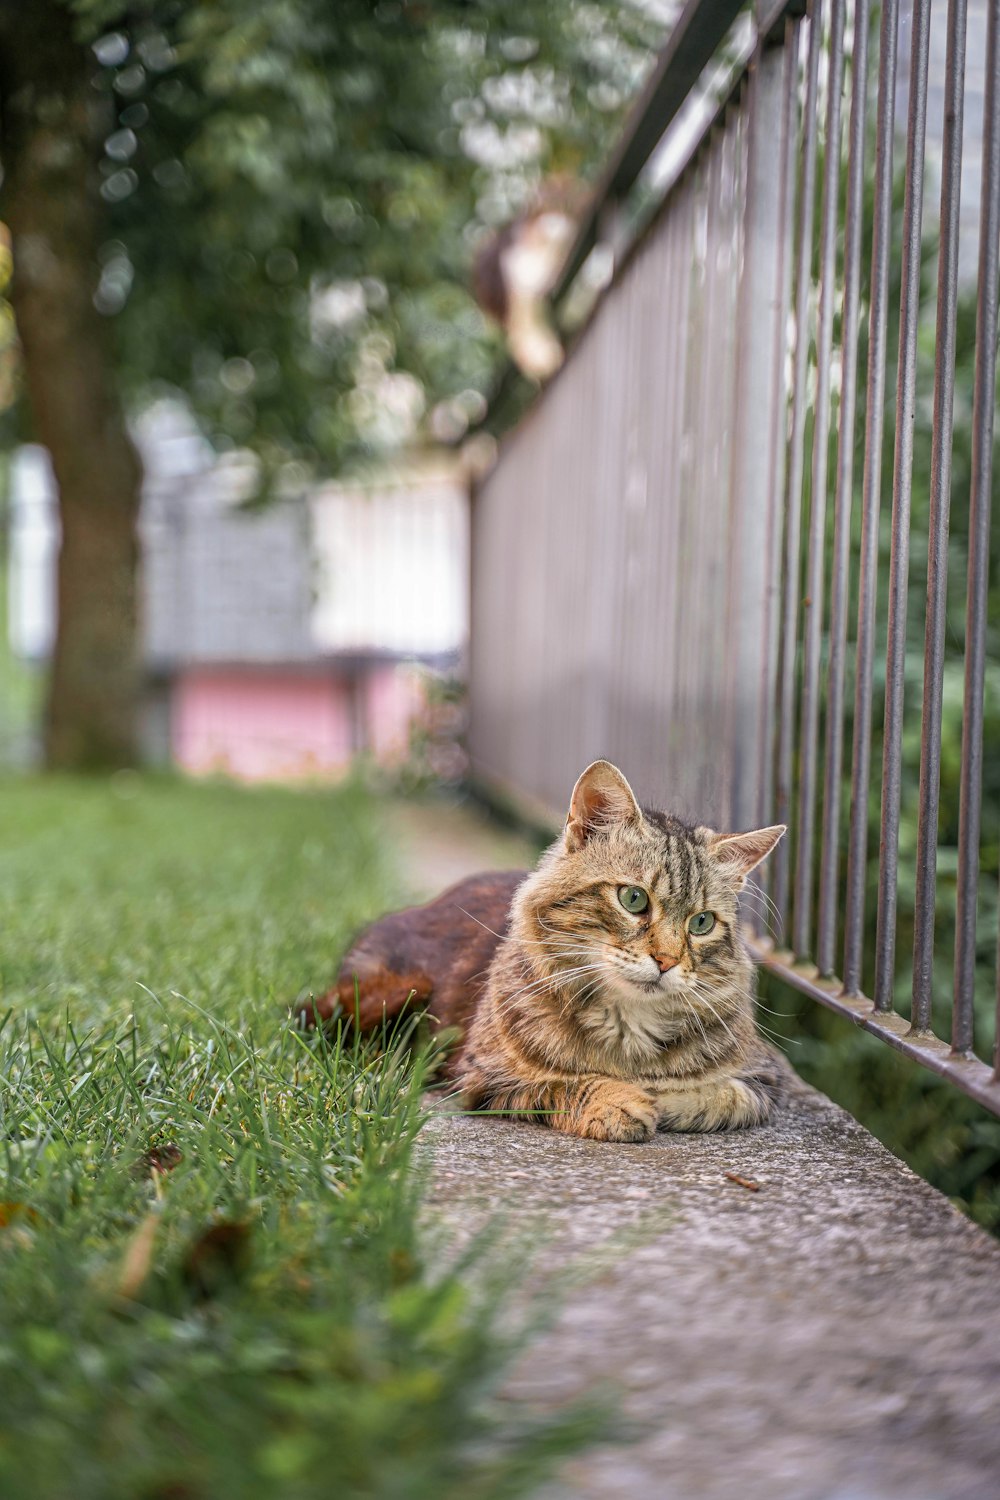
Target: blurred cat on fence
{"points": [[607, 993], [516, 268]]}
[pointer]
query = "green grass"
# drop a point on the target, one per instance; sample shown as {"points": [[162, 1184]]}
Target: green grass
{"points": [[259, 1320]]}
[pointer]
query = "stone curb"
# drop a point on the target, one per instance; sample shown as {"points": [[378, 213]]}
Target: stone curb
{"points": [[833, 1335]]}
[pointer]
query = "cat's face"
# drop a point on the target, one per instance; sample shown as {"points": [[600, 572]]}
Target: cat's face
{"points": [[637, 903]]}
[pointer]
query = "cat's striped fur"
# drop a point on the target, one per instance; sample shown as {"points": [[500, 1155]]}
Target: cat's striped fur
{"points": [[593, 1019], [579, 1025]]}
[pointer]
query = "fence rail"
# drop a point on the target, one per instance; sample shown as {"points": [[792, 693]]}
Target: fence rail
{"points": [[670, 551]]}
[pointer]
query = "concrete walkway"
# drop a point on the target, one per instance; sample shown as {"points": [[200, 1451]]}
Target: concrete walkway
{"points": [[832, 1335], [437, 843]]}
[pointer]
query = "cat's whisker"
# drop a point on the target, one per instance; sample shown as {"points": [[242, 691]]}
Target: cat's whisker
{"points": [[763, 902], [693, 1009], [690, 1010], [759, 1005], [570, 948], [505, 1005], [486, 928], [751, 901], [564, 947], [699, 991], [555, 957], [558, 932], [586, 992], [562, 975], [765, 921], [757, 889], [776, 1036], [554, 980], [532, 942], [767, 910]]}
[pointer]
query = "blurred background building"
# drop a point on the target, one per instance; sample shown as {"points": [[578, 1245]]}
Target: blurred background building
{"points": [[278, 642]]}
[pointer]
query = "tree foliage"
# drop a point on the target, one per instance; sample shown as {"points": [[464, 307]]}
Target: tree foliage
{"points": [[268, 206], [293, 189]]}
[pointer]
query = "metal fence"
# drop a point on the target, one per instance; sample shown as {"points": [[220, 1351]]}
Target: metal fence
{"points": [[678, 560]]}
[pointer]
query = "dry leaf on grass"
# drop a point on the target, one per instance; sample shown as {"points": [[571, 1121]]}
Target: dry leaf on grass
{"points": [[138, 1258], [161, 1159], [17, 1213]]}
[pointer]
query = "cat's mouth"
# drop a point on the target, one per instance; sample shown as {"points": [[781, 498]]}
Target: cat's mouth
{"points": [[632, 981], [662, 984]]}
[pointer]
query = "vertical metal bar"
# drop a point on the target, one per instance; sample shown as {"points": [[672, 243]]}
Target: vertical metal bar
{"points": [[779, 415], [722, 380], [703, 394], [813, 601], [830, 837], [899, 558], [857, 856], [750, 472], [983, 406], [638, 658], [746, 242], [656, 419], [689, 468], [667, 474], [610, 378], [940, 507], [796, 450]]}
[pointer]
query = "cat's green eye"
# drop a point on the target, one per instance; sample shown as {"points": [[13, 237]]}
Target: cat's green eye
{"points": [[633, 898], [701, 923]]}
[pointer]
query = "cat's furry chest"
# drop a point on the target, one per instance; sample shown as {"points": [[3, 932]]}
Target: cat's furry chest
{"points": [[634, 1033]]}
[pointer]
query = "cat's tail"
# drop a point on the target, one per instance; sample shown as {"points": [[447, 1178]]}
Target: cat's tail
{"points": [[367, 1002]]}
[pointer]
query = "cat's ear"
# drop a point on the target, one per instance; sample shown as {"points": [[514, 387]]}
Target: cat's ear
{"points": [[739, 853], [601, 799]]}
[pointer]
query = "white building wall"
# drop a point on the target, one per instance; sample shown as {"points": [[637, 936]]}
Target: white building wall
{"points": [[34, 546], [392, 567]]}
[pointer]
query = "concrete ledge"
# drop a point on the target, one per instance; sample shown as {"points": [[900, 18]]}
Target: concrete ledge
{"points": [[834, 1335]]}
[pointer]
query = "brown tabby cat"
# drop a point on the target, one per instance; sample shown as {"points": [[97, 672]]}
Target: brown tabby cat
{"points": [[607, 994]]}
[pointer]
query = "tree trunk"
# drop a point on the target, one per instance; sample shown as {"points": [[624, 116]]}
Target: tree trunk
{"points": [[52, 124]]}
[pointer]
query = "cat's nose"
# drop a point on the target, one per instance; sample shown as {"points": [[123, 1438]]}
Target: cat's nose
{"points": [[665, 961]]}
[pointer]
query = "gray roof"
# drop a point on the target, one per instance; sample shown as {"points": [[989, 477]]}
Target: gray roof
{"points": [[296, 583], [222, 583]]}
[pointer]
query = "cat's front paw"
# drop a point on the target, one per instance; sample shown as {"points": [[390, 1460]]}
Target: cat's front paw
{"points": [[616, 1112]]}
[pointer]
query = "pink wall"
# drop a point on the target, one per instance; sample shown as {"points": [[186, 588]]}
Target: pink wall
{"points": [[271, 725], [393, 697], [260, 726]]}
